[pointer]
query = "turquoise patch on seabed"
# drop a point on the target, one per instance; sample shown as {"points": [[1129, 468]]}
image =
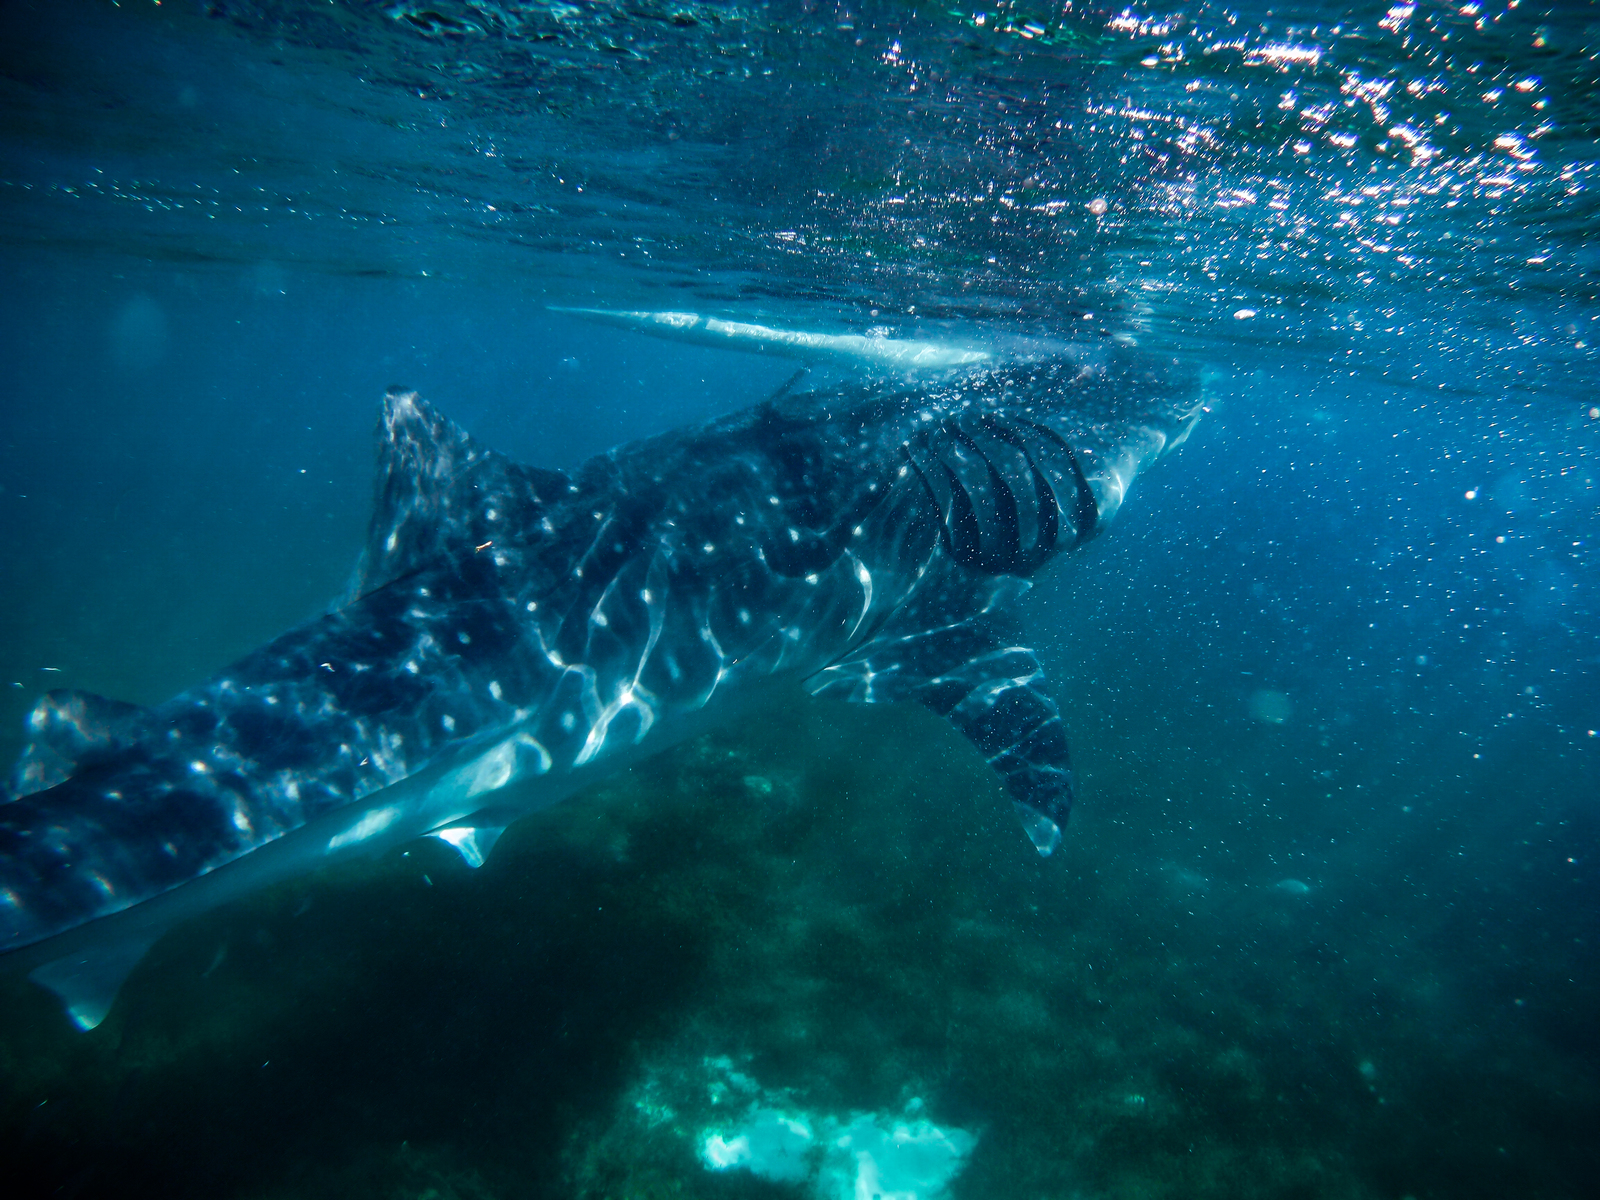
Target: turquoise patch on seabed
{"points": [[904, 1157]]}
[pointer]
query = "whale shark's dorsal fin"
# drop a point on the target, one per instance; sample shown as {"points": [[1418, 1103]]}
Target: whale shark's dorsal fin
{"points": [[440, 492], [67, 731], [857, 349]]}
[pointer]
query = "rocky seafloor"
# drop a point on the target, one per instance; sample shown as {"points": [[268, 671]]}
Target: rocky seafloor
{"points": [[810, 958]]}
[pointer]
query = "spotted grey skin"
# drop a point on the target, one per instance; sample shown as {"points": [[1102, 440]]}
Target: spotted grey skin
{"points": [[510, 624]]}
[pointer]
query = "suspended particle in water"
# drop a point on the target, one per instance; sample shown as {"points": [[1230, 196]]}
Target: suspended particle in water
{"points": [[1272, 707]]}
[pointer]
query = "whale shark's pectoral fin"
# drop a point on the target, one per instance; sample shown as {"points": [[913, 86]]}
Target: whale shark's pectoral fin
{"points": [[989, 688], [88, 980], [472, 842], [67, 731], [441, 492]]}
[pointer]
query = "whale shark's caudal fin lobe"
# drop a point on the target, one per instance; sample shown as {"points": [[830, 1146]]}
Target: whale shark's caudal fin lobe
{"points": [[992, 690], [440, 492], [88, 980], [67, 731]]}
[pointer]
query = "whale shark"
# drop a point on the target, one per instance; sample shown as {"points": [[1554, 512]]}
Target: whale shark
{"points": [[513, 631]]}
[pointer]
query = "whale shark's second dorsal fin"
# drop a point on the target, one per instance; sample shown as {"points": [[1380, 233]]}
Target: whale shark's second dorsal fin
{"points": [[67, 731], [440, 492], [861, 350]]}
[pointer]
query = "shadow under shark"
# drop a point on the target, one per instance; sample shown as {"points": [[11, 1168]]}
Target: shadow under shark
{"points": [[517, 625]]}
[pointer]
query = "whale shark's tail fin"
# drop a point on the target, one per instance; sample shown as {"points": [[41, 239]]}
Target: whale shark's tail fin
{"points": [[861, 350]]}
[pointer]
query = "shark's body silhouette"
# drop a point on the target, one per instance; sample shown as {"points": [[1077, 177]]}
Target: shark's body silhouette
{"points": [[512, 624]]}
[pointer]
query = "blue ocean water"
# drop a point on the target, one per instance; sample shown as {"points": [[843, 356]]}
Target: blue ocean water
{"points": [[1324, 921]]}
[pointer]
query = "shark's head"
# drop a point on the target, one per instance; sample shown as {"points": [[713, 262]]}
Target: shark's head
{"points": [[1021, 461]]}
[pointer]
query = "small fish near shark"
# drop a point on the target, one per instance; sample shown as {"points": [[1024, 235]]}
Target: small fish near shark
{"points": [[516, 625]]}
